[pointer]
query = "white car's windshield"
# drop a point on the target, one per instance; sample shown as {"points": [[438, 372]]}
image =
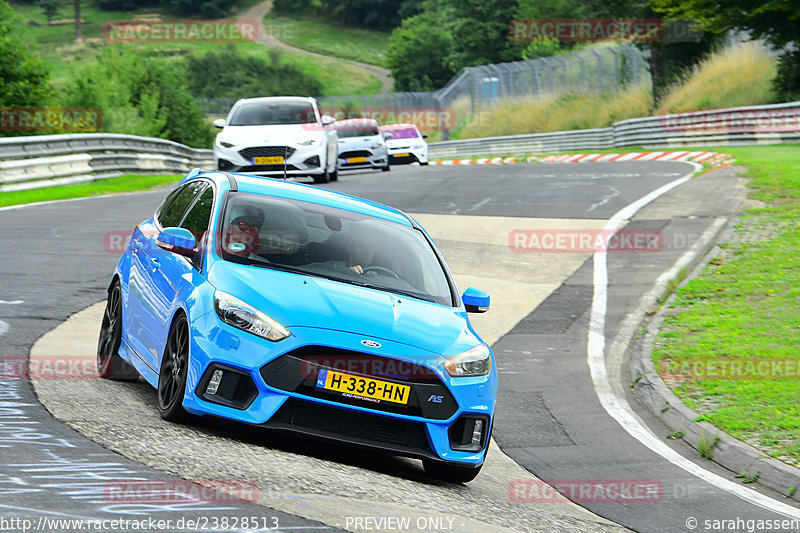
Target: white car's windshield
{"points": [[332, 243], [272, 114]]}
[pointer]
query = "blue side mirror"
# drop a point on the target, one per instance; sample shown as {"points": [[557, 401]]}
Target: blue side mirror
{"points": [[177, 240], [475, 300]]}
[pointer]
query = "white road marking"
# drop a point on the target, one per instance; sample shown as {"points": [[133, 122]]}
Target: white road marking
{"points": [[616, 406], [4, 327], [12, 302]]}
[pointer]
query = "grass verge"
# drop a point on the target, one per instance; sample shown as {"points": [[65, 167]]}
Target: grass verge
{"points": [[317, 35], [127, 183], [57, 46], [728, 346]]}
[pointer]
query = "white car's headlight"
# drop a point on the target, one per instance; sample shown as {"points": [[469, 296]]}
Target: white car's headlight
{"points": [[224, 144], [476, 361], [419, 146], [238, 314], [313, 141]]}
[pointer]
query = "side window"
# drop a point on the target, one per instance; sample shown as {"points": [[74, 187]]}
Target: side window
{"points": [[173, 214], [167, 201], [197, 218]]}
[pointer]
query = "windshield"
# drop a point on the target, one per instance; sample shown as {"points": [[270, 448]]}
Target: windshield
{"points": [[402, 133], [271, 114], [345, 132], [331, 243], [356, 128]]}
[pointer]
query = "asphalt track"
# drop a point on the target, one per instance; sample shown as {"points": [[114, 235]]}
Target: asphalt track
{"points": [[549, 419]]}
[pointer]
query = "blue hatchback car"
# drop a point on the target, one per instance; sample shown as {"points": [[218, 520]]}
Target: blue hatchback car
{"points": [[303, 310]]}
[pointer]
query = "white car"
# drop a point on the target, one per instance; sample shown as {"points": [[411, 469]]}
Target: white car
{"points": [[361, 144], [277, 136], [406, 144]]}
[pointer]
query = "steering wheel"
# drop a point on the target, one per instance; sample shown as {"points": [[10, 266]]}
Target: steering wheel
{"points": [[381, 270]]}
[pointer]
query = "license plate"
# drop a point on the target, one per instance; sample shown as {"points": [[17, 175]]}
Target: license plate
{"points": [[356, 160], [275, 160], [404, 154], [363, 387]]}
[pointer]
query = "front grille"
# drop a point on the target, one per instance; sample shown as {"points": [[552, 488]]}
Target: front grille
{"points": [[297, 372], [355, 153], [267, 151], [352, 426]]}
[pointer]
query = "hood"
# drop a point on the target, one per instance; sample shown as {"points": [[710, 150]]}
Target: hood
{"points": [[394, 143], [279, 135], [297, 300], [357, 143]]}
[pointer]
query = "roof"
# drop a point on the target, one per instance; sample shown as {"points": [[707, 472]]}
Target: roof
{"points": [[316, 195]]}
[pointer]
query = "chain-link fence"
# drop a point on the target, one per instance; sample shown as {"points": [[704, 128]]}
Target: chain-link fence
{"points": [[595, 70]]}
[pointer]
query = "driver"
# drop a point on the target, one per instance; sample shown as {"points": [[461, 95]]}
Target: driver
{"points": [[360, 251]]}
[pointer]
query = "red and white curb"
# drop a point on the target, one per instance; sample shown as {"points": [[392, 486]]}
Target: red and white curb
{"points": [[713, 158], [487, 161]]}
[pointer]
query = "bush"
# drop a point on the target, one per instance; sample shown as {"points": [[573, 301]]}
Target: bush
{"points": [[139, 95], [24, 78], [235, 75]]}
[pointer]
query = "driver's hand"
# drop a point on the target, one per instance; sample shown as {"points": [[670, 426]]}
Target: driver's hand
{"points": [[357, 269]]}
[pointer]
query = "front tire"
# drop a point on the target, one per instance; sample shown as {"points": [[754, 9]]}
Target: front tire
{"points": [[387, 168], [173, 372], [449, 472], [325, 177], [109, 363]]}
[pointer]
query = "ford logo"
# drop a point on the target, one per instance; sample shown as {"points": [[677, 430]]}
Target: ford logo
{"points": [[371, 344]]}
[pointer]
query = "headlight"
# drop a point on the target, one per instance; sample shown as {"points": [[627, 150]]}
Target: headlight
{"points": [[238, 314], [419, 146], [224, 144], [314, 141], [474, 362]]}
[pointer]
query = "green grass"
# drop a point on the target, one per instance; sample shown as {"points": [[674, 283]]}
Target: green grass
{"points": [[127, 183], [745, 307], [57, 46], [318, 35]]}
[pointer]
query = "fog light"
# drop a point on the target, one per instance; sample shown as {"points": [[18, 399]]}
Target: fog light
{"points": [[213, 383], [477, 433]]}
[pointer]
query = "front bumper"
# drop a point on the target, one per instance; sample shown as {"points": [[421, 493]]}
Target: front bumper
{"points": [[275, 390], [363, 159], [407, 155], [301, 161]]}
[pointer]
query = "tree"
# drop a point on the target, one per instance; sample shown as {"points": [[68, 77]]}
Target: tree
{"points": [[418, 53], [50, 8], [24, 78], [429, 48], [775, 21], [139, 95]]}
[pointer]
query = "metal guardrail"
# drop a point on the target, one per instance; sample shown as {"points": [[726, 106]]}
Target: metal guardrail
{"points": [[768, 124], [47, 160]]}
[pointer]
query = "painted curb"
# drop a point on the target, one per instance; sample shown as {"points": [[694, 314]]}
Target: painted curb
{"points": [[653, 393], [715, 159]]}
